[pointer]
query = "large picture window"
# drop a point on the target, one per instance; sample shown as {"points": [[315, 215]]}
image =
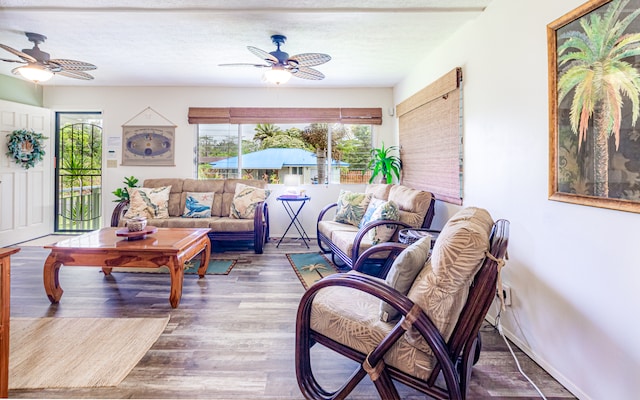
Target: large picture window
{"points": [[322, 145], [269, 151]]}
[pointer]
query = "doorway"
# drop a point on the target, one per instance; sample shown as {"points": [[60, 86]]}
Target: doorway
{"points": [[78, 174]]}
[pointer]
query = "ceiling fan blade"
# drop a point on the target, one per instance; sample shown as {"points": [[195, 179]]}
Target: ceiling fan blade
{"points": [[310, 59], [308, 73], [245, 65], [16, 61], [75, 74], [270, 59], [73, 65], [20, 54]]}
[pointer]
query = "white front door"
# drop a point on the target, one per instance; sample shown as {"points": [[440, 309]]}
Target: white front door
{"points": [[26, 195]]}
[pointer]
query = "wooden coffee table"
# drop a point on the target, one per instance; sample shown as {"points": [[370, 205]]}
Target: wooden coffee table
{"points": [[168, 246]]}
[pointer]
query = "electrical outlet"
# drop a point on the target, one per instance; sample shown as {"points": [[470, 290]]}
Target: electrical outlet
{"points": [[506, 293]]}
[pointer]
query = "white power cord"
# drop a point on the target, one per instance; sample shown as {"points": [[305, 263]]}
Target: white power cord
{"points": [[499, 327]]}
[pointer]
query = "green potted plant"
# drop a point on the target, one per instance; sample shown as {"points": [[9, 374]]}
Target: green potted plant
{"points": [[121, 193], [385, 164]]}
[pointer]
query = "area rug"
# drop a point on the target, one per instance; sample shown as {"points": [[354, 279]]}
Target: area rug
{"points": [[78, 352], [216, 267], [311, 267]]}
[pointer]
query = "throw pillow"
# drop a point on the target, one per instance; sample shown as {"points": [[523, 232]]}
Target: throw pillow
{"points": [[403, 272], [246, 199], [351, 207], [148, 202], [198, 205], [373, 204], [382, 233]]}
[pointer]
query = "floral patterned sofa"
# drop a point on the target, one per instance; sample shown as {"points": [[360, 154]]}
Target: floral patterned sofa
{"points": [[234, 209], [362, 220]]}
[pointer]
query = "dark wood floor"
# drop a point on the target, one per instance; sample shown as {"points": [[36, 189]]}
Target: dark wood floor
{"points": [[232, 336]]}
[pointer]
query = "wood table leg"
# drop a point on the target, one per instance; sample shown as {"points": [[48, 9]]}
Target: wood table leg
{"points": [[176, 269], [205, 256], [50, 275]]}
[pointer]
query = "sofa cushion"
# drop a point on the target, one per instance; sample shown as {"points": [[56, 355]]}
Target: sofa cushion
{"points": [[442, 286], [378, 190], [351, 207], [229, 224], [403, 272], [344, 241], [148, 202], [177, 222], [327, 228], [246, 199], [388, 210], [350, 317], [175, 207], [413, 204], [198, 204]]}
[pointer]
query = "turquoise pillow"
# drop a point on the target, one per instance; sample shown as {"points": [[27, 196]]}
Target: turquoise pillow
{"points": [[198, 205], [373, 204]]}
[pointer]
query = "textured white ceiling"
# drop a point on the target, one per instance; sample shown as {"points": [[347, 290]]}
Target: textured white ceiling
{"points": [[373, 43]]}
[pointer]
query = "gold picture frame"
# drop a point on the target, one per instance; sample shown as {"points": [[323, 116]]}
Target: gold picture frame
{"points": [[594, 105]]}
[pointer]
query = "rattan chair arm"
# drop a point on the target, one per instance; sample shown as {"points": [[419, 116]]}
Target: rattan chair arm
{"points": [[393, 248], [119, 212], [400, 302], [325, 209], [355, 251]]}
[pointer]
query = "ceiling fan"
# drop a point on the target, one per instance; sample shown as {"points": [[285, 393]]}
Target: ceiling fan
{"points": [[39, 67], [282, 67]]}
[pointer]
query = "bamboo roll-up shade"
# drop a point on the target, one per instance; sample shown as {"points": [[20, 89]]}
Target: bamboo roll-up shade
{"points": [[283, 115], [430, 143], [266, 115], [208, 115], [371, 116]]}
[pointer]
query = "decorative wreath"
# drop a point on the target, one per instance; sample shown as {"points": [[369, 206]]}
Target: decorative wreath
{"points": [[26, 147]]}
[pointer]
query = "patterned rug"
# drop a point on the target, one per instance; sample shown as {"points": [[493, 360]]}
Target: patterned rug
{"points": [[311, 267], [216, 267]]}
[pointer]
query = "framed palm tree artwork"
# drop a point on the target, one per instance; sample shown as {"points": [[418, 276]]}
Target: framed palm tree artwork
{"points": [[594, 105]]}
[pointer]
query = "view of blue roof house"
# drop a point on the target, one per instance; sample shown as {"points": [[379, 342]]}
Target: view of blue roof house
{"points": [[280, 161]]}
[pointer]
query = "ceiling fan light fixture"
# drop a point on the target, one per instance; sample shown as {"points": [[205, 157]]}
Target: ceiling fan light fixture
{"points": [[35, 73], [277, 75]]}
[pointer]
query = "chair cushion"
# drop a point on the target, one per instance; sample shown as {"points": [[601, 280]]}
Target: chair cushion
{"points": [[382, 233], [351, 207], [442, 287], [198, 204], [246, 199], [148, 202], [403, 272], [350, 317], [413, 204]]}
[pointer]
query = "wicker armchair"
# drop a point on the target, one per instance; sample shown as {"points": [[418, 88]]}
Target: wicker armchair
{"points": [[425, 343]]}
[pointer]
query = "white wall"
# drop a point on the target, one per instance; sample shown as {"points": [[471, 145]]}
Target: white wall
{"points": [[119, 104], [573, 269]]}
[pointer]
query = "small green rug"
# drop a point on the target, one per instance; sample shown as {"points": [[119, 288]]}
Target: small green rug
{"points": [[216, 267], [311, 267]]}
